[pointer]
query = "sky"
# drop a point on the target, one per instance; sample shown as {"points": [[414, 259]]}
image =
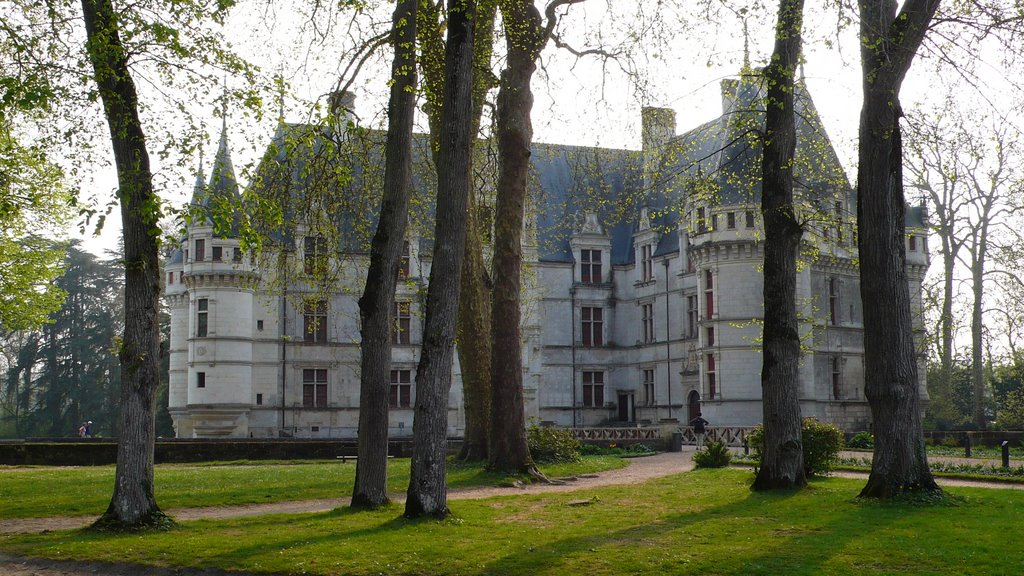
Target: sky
{"points": [[679, 64]]}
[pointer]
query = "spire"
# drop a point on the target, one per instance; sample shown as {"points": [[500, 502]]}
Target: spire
{"points": [[200, 188], [222, 178]]}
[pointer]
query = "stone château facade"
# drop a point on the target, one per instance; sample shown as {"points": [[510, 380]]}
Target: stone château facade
{"points": [[643, 298]]}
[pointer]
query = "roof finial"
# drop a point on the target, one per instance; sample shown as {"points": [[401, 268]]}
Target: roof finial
{"points": [[280, 95], [746, 44]]}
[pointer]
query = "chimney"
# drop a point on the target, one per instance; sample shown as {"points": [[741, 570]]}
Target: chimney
{"points": [[342, 107], [658, 126]]}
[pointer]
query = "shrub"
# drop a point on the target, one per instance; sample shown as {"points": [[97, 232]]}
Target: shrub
{"points": [[862, 440], [715, 455], [550, 445], [821, 446], [950, 441], [822, 443]]}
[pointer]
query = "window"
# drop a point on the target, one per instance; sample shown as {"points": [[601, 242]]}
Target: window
{"points": [[593, 326], [181, 277], [730, 220], [593, 389], [218, 253], [200, 250], [170, 277], [400, 391], [186, 254], [403, 265], [714, 222], [315, 254], [259, 324], [646, 263], [839, 222], [710, 373], [709, 294], [691, 266], [314, 322], [710, 336], [403, 319], [833, 301], [648, 322], [236, 254], [200, 379], [691, 317], [750, 218], [202, 319], [837, 378], [259, 399], [702, 225], [590, 266], [314, 387], [913, 243], [648, 382]]}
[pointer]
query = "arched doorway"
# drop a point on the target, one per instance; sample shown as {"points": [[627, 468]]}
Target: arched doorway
{"points": [[693, 406]]}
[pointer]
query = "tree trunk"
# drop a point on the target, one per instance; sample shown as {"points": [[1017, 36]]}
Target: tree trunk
{"points": [[782, 463], [889, 41], [378, 300], [978, 380], [524, 37], [133, 504], [474, 322], [473, 328], [427, 494]]}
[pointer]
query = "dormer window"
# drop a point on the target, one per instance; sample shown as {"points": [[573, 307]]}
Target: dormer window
{"points": [[200, 250], [590, 266], [646, 263], [315, 254], [913, 243], [403, 266], [702, 224]]}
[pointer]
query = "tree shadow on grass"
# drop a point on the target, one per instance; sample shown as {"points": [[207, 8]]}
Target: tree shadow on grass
{"points": [[789, 546]]}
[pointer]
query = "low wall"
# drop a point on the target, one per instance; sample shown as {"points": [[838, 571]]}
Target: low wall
{"points": [[101, 451], [992, 438]]}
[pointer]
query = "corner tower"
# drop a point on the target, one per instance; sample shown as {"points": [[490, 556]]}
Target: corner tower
{"points": [[212, 311]]}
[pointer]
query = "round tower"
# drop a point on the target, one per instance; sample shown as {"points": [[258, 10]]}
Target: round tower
{"points": [[218, 310]]}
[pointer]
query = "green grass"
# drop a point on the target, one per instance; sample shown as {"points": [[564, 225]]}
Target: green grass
{"points": [[28, 492], [705, 522]]}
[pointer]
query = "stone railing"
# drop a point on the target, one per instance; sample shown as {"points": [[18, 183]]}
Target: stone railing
{"points": [[730, 435], [615, 434]]}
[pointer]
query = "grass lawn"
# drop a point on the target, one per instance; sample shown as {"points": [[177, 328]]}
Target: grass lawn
{"points": [[27, 492], [705, 522]]}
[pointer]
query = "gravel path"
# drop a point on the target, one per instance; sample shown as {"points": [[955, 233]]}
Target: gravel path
{"points": [[639, 470]]}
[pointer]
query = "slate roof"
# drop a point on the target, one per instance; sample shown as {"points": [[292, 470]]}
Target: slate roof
{"points": [[218, 201], [717, 160]]}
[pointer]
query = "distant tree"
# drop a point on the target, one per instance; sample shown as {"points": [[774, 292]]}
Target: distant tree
{"points": [[890, 36], [78, 374], [967, 167], [427, 494], [782, 463]]}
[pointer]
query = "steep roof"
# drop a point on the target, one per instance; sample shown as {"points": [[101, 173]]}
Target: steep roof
{"points": [[218, 202]]}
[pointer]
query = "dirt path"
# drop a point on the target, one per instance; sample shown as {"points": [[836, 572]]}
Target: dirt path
{"points": [[639, 470]]}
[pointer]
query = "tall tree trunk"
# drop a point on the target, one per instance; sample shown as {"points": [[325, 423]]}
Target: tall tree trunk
{"points": [[889, 42], [524, 37], [473, 327], [427, 493], [978, 380], [782, 463], [133, 504], [378, 300]]}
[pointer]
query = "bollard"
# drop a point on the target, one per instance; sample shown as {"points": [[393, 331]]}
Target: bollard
{"points": [[967, 445], [1006, 453]]}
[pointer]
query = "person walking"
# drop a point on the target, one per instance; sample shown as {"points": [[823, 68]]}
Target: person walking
{"points": [[699, 429], [88, 429]]}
